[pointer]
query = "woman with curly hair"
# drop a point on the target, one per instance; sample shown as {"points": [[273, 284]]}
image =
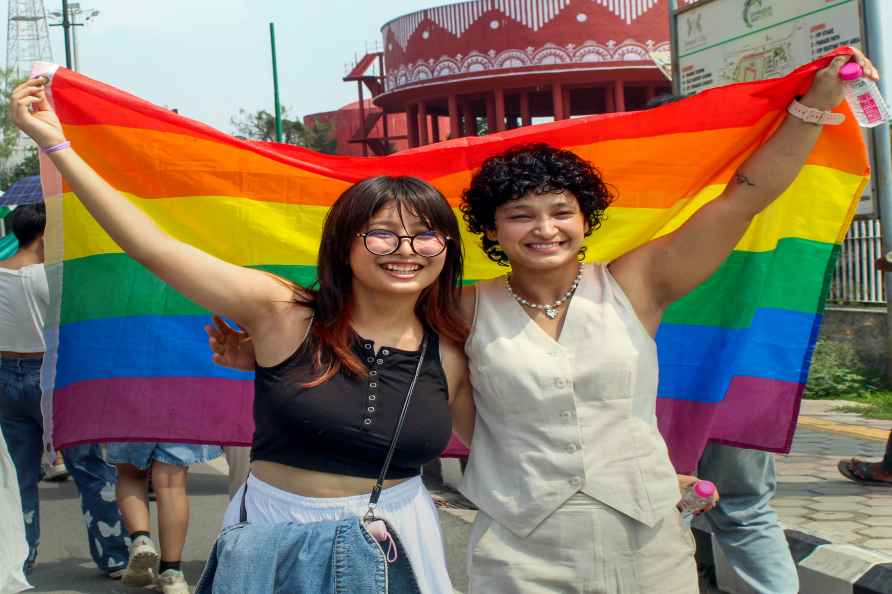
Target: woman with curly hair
{"points": [[573, 481]]}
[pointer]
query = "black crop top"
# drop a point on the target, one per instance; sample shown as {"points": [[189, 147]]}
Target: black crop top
{"points": [[345, 425]]}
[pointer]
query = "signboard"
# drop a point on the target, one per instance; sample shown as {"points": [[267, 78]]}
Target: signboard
{"points": [[727, 41], [719, 42]]}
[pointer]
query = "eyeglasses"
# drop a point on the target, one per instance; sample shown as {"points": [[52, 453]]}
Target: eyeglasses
{"points": [[382, 242]]}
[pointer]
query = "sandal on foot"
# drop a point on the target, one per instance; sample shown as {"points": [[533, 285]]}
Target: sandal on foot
{"points": [[858, 471]]}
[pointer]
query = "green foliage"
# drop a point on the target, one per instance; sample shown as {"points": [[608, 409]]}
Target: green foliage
{"points": [[318, 136], [835, 372], [9, 134], [30, 166], [261, 125], [873, 405]]}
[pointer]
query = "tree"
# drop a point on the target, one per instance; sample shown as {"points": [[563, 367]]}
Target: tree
{"points": [[261, 125], [28, 167], [319, 137], [9, 134]]}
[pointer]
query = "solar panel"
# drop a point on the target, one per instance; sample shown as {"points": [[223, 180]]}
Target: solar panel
{"points": [[25, 191]]}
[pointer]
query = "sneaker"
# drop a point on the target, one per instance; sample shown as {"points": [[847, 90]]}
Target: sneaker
{"points": [[56, 473], [116, 574], [140, 568], [172, 582]]}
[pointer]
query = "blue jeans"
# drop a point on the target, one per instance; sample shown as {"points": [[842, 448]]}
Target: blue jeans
{"points": [[96, 480], [743, 523], [22, 424]]}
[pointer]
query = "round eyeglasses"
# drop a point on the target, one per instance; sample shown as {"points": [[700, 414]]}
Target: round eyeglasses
{"points": [[382, 242]]}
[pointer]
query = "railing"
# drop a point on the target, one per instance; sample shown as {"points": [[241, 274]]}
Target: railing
{"points": [[856, 278]]}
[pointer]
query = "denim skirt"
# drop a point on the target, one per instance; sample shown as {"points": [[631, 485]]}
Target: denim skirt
{"points": [[408, 507]]}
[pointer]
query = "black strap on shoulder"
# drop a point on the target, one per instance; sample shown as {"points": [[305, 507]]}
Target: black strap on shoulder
{"points": [[376, 491], [379, 484]]}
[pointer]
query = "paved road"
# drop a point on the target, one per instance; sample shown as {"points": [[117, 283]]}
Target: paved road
{"points": [[65, 567], [808, 484]]}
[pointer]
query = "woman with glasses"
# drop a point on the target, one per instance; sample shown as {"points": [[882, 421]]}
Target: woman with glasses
{"points": [[334, 362]]}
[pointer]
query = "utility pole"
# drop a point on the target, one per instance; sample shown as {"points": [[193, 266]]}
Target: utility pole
{"points": [[272, 42], [66, 25], [69, 21], [882, 152]]}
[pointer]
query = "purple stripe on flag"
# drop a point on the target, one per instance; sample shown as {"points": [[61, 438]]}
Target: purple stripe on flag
{"points": [[756, 413], [183, 409]]}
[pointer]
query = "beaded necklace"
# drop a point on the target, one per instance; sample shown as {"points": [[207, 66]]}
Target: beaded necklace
{"points": [[551, 309]]}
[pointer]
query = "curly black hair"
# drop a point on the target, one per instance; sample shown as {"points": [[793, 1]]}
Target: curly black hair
{"points": [[538, 168]]}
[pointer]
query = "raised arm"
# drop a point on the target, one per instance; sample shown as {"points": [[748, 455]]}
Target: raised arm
{"points": [[664, 270], [242, 294]]}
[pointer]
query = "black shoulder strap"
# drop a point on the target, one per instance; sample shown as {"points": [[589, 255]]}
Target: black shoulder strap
{"points": [[376, 491]]}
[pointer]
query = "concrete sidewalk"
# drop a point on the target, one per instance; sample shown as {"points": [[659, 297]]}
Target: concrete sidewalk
{"points": [[815, 498]]}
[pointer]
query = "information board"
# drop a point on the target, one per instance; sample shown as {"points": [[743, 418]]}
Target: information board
{"points": [[719, 42], [728, 41]]}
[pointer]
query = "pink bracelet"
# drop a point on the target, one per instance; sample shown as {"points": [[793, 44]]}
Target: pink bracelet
{"points": [[56, 147]]}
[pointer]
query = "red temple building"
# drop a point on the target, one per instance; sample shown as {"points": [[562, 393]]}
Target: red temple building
{"points": [[448, 71]]}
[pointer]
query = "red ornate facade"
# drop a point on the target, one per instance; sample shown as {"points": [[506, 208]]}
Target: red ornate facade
{"points": [[506, 62]]}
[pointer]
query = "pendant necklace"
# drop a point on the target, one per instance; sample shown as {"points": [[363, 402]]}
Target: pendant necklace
{"points": [[551, 309]]}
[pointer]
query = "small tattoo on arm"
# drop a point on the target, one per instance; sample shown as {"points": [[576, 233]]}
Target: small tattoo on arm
{"points": [[742, 179]]}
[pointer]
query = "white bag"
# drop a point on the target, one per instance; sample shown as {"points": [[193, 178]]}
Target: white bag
{"points": [[13, 546]]}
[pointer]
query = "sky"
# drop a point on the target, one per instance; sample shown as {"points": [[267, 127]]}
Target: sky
{"points": [[209, 58]]}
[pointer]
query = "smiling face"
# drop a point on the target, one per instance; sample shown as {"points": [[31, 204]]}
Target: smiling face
{"points": [[540, 231], [403, 272]]}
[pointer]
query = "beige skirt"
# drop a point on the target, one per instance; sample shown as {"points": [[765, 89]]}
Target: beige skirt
{"points": [[584, 547]]}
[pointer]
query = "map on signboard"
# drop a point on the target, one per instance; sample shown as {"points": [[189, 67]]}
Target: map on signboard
{"points": [[764, 59]]}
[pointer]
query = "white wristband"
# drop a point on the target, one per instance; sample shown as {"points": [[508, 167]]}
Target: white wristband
{"points": [[811, 115]]}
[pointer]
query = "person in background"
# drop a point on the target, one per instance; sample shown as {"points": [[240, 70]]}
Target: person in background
{"points": [[743, 523], [872, 473], [169, 464], [24, 300]]}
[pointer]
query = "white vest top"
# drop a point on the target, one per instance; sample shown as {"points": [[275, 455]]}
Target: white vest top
{"points": [[558, 417], [24, 301]]}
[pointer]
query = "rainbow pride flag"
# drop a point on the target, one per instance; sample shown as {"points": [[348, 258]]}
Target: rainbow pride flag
{"points": [[131, 359]]}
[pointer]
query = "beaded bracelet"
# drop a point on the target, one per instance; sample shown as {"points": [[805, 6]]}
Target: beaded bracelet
{"points": [[56, 147]]}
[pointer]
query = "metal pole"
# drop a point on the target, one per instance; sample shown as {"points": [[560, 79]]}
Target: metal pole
{"points": [[77, 60], [272, 42], [673, 49], [66, 24], [882, 151]]}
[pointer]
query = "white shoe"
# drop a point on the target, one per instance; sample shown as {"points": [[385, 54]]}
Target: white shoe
{"points": [[140, 567], [56, 473], [172, 582]]}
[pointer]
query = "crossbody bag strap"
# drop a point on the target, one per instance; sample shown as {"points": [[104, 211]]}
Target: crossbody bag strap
{"points": [[379, 485]]}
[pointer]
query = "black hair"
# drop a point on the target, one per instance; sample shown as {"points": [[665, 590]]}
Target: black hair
{"points": [[331, 297], [28, 223], [537, 168], [664, 99]]}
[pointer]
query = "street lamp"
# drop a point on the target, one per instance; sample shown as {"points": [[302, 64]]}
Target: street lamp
{"points": [[75, 12]]}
